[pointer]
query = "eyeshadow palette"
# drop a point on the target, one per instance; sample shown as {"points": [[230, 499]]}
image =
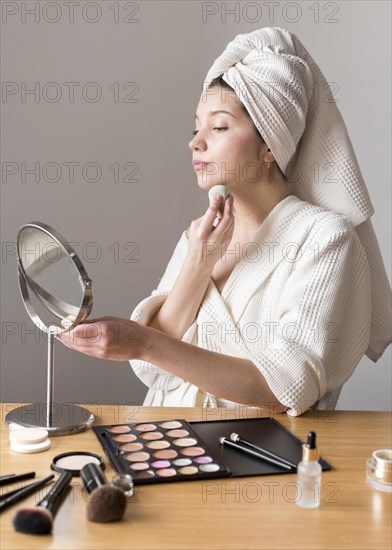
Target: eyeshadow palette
{"points": [[177, 450], [151, 452]]}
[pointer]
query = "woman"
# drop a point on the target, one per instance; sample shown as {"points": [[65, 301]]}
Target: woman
{"points": [[272, 305]]}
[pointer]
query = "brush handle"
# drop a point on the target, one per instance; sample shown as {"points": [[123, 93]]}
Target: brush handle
{"points": [[19, 494], [261, 450], [93, 477], [50, 500], [11, 478]]}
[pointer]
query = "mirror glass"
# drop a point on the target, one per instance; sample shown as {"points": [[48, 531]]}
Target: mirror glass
{"points": [[53, 282]]}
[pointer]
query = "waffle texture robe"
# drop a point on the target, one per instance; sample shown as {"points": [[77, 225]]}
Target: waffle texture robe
{"points": [[297, 304]]}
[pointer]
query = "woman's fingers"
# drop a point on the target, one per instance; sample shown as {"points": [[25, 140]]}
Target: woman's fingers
{"points": [[83, 335], [227, 218], [67, 321], [204, 230], [211, 214], [106, 338]]}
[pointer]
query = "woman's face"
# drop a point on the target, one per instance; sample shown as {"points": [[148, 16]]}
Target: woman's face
{"points": [[226, 143]]}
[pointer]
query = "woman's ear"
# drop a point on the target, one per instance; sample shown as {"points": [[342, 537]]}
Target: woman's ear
{"points": [[266, 155]]}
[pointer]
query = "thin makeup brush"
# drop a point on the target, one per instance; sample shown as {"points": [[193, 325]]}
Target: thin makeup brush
{"points": [[39, 520], [237, 439], [256, 454], [18, 494], [11, 478]]}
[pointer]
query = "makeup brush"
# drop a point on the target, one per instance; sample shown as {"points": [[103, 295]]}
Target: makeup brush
{"points": [[237, 439], [39, 520], [256, 454], [11, 478], [105, 502], [18, 494]]}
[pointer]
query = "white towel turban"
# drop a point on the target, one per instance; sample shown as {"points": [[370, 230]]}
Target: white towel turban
{"points": [[293, 108]]}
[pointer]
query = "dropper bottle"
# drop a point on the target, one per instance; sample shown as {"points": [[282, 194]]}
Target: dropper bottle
{"points": [[309, 475]]}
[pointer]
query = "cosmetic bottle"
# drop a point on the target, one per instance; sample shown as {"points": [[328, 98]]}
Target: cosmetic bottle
{"points": [[309, 475]]}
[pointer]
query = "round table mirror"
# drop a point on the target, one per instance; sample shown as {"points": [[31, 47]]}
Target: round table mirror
{"points": [[57, 294]]}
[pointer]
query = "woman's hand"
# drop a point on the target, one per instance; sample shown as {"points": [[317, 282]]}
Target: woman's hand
{"points": [[110, 338], [207, 244]]}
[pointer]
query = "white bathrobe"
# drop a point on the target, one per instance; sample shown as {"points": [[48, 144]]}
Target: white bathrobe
{"points": [[297, 305]]}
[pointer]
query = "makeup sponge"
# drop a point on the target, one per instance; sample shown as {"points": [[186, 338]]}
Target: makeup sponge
{"points": [[218, 190], [28, 436], [29, 440]]}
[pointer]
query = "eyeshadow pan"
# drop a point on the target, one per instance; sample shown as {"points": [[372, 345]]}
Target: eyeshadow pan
{"points": [[124, 438], [139, 466], [166, 454], [182, 462], [143, 474], [203, 460], [140, 456], [145, 427], [188, 470], [166, 472], [170, 425], [209, 467], [119, 429], [177, 433], [158, 445], [160, 464], [185, 442], [193, 451], [130, 447], [150, 436]]}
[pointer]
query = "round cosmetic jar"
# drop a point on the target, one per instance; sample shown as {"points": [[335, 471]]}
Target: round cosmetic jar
{"points": [[74, 461], [124, 482], [379, 470]]}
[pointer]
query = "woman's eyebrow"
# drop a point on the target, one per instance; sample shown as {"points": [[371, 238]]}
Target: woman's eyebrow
{"points": [[212, 113]]}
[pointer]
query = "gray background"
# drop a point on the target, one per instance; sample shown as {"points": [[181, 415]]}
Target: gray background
{"points": [[166, 48]]}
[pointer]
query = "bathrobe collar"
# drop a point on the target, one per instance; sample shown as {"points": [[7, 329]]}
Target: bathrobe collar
{"points": [[277, 239]]}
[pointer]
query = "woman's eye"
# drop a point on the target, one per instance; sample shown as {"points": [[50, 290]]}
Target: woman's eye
{"points": [[219, 128]]}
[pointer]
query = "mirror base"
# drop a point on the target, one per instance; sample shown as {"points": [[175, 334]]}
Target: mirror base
{"points": [[64, 419]]}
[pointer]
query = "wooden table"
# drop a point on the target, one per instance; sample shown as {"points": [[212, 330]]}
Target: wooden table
{"points": [[250, 512]]}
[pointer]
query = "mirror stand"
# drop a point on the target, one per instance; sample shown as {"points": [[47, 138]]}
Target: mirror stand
{"points": [[54, 285], [58, 419]]}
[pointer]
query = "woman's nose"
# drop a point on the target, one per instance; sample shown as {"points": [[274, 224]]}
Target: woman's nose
{"points": [[197, 143]]}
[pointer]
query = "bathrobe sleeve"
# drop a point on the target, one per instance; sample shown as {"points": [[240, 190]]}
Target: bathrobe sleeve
{"points": [[323, 323], [144, 312]]}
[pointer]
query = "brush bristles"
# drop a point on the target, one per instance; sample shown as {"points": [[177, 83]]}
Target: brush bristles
{"points": [[34, 521], [105, 504]]}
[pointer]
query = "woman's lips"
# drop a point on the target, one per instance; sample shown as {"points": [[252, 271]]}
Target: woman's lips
{"points": [[197, 165]]}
